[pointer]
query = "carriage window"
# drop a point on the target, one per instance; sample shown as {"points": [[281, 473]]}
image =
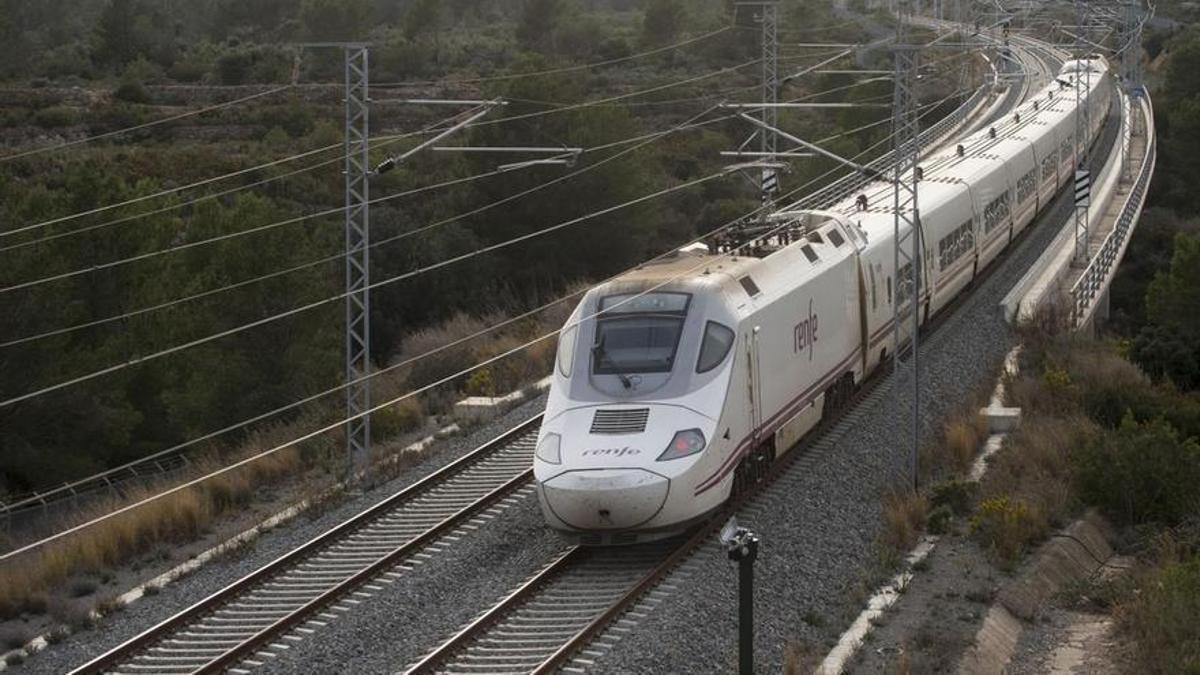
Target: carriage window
{"points": [[835, 238], [904, 285], [751, 287], [715, 347], [1026, 186], [638, 333], [809, 253]]}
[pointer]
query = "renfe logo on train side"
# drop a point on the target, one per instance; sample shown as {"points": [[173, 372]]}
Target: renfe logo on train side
{"points": [[613, 452], [804, 335]]}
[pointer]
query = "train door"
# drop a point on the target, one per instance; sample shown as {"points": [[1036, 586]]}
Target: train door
{"points": [[754, 381]]}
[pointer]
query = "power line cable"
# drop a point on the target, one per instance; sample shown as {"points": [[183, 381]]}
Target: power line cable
{"points": [[340, 423], [470, 337], [329, 147], [146, 125], [385, 140], [240, 233], [555, 71], [391, 280], [382, 242], [341, 296], [388, 139]]}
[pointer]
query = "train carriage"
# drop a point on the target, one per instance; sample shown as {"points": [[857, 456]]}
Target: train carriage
{"points": [[676, 379]]}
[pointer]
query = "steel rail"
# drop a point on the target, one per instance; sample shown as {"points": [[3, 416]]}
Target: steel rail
{"points": [[255, 580], [298, 616], [461, 642]]}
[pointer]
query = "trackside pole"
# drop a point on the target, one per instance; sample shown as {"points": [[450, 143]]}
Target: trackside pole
{"points": [[742, 546]]}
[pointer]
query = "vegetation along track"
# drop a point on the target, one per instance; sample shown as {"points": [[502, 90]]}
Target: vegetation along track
{"points": [[560, 618], [550, 620], [589, 590], [240, 623]]}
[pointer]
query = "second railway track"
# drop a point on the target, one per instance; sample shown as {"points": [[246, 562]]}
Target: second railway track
{"points": [[540, 627], [241, 622]]}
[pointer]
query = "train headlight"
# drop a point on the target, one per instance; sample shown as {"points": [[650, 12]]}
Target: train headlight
{"points": [[685, 443], [549, 449]]}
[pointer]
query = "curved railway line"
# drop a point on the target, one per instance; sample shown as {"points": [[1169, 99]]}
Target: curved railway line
{"points": [[543, 625]]}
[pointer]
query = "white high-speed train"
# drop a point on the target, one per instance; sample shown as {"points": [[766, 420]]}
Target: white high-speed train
{"points": [[677, 377]]}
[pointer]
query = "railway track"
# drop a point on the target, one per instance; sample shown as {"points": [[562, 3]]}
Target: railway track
{"points": [[548, 623], [551, 615], [558, 619], [298, 591], [538, 628]]}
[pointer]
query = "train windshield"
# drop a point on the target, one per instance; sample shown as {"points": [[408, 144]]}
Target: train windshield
{"points": [[638, 333]]}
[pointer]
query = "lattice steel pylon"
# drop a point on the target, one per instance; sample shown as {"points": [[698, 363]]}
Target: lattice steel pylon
{"points": [[769, 181], [358, 274], [906, 134], [1130, 44], [768, 19], [1082, 125]]}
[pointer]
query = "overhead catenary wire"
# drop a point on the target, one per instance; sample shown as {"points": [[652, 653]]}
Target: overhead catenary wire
{"points": [[242, 233], [383, 141], [559, 70], [341, 296], [397, 237], [327, 148], [381, 406], [391, 280], [480, 123], [264, 181], [145, 125], [338, 424], [382, 242]]}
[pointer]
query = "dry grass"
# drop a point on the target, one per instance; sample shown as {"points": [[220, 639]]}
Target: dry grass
{"points": [[510, 373], [178, 518], [800, 658], [904, 516], [963, 434], [1162, 612], [33, 583], [1027, 490], [962, 437]]}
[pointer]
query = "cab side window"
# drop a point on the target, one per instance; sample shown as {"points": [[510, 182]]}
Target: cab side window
{"points": [[714, 347]]}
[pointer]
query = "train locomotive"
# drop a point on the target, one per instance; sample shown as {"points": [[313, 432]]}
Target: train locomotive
{"points": [[677, 379]]}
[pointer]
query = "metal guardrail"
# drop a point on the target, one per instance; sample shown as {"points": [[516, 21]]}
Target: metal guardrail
{"points": [[1100, 270], [166, 463]]}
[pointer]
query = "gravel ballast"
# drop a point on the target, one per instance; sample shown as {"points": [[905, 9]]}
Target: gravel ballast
{"points": [[819, 524], [144, 614]]}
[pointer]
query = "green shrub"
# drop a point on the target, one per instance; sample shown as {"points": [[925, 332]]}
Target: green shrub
{"points": [[1007, 527], [405, 416], [939, 519], [1140, 473], [1164, 619], [132, 92], [55, 117], [955, 495]]}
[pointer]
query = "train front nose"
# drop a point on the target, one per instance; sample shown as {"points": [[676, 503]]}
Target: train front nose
{"points": [[603, 499]]}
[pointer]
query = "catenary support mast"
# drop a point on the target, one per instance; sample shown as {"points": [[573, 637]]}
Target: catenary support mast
{"points": [[358, 276], [907, 229]]}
